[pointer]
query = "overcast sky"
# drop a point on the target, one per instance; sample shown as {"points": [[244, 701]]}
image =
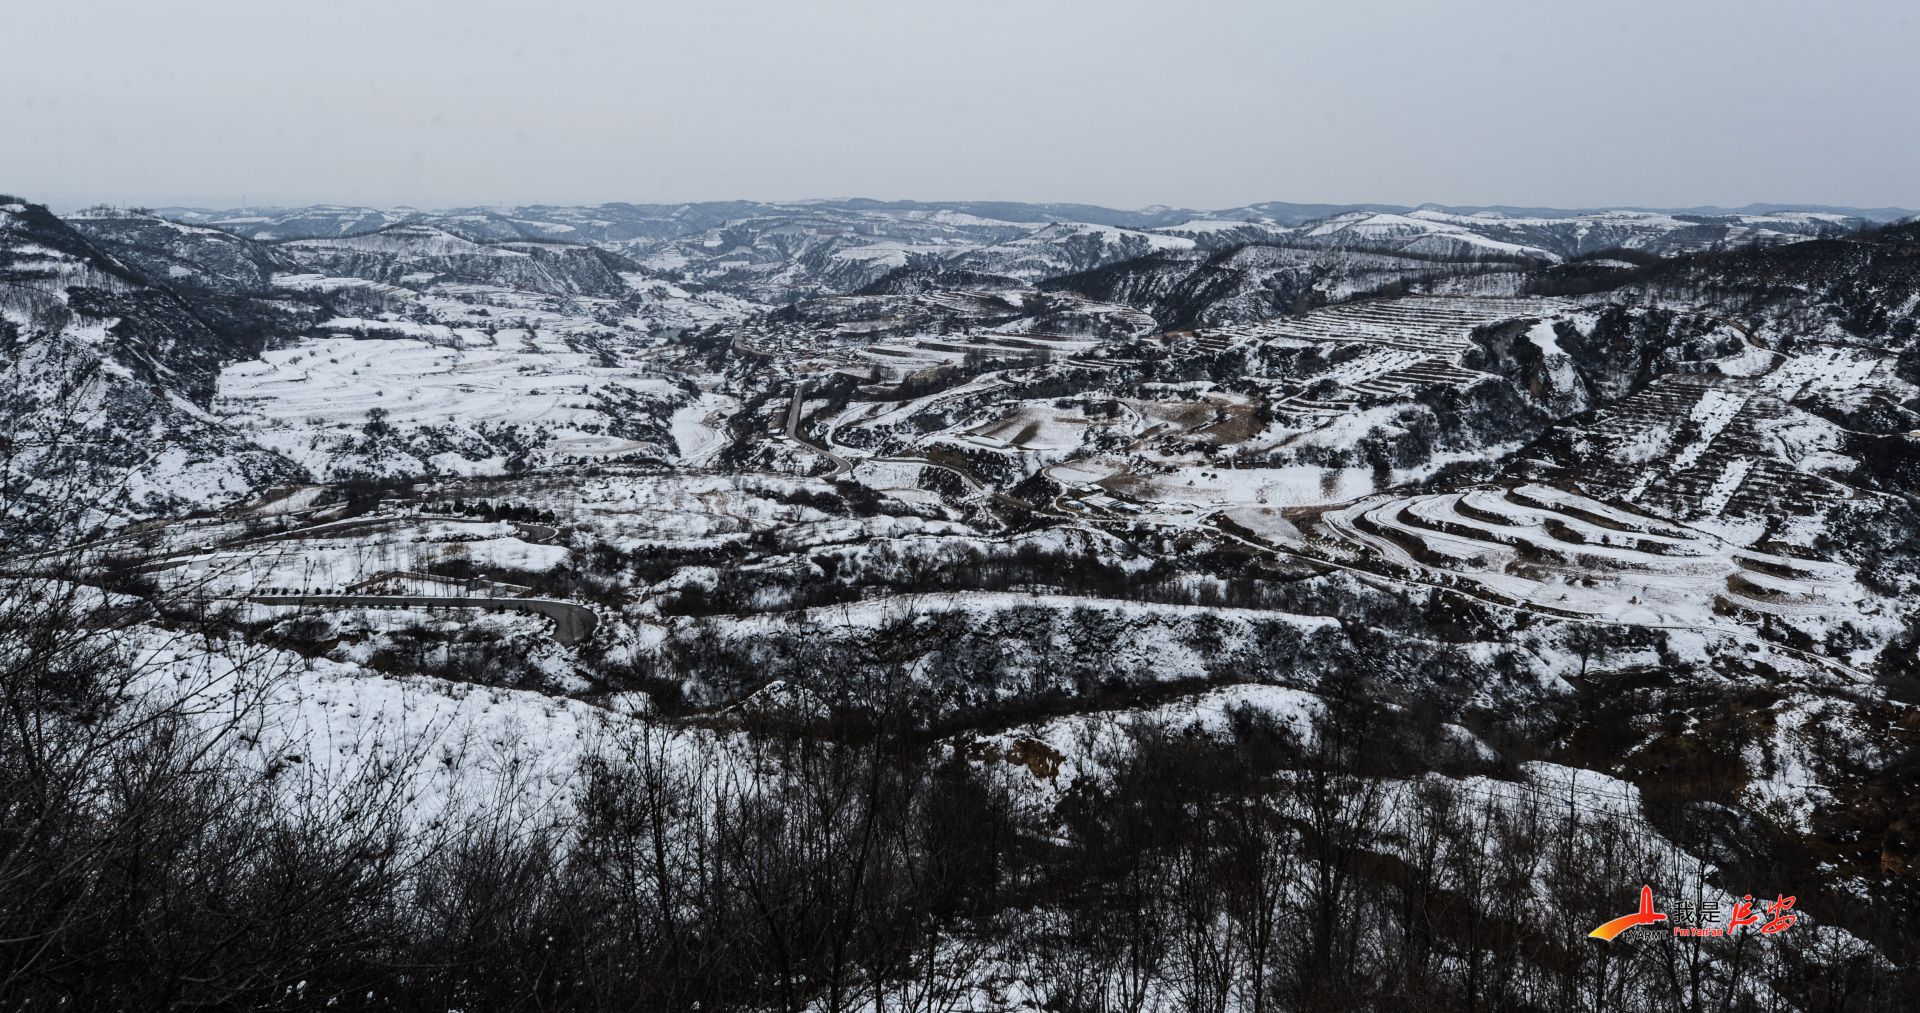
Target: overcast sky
{"points": [[1117, 102]]}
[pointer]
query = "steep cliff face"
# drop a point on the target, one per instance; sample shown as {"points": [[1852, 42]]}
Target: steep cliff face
{"points": [[108, 380], [1257, 281], [178, 255], [420, 254]]}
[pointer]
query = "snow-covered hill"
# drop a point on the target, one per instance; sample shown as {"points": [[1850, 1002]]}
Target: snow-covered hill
{"points": [[1447, 525], [777, 252], [107, 381]]}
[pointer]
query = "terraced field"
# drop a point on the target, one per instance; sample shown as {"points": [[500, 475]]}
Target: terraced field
{"points": [[1696, 446], [1828, 369], [900, 359], [1380, 372], [1418, 342], [1560, 552], [1429, 325]]}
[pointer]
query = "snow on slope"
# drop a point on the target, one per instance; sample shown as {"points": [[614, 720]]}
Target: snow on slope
{"points": [[1410, 234], [315, 400]]}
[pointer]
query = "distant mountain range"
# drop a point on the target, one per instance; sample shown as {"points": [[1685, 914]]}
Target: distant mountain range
{"points": [[704, 214], [776, 252], [146, 307]]}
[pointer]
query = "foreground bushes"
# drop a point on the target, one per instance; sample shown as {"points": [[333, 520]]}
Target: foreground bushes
{"points": [[845, 866]]}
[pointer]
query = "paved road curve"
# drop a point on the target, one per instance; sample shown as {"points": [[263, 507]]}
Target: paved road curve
{"points": [[840, 464]]}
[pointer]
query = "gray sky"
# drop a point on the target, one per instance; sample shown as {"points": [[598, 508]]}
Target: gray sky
{"points": [[1207, 103]]}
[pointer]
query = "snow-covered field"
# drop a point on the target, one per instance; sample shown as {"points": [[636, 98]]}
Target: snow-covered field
{"points": [[699, 429], [1228, 488], [308, 400]]}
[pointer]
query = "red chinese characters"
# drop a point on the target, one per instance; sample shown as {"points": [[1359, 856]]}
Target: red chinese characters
{"points": [[1779, 916]]}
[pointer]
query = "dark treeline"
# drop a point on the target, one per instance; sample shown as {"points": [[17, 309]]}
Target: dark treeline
{"points": [[1026, 567], [496, 511], [149, 861]]}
